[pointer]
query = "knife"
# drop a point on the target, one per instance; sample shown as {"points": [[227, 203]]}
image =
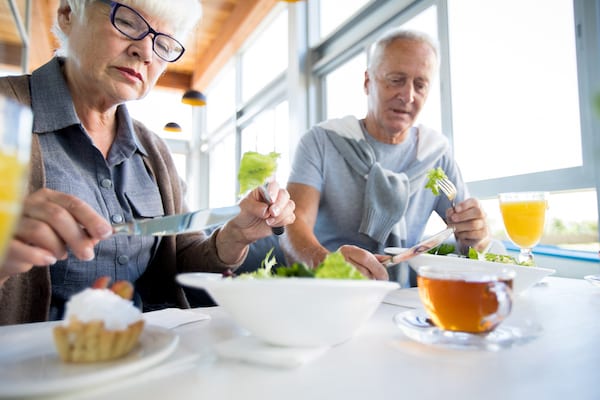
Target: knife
{"points": [[420, 247], [175, 224]]}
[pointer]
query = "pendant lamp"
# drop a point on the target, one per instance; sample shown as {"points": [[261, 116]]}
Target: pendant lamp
{"points": [[194, 98]]}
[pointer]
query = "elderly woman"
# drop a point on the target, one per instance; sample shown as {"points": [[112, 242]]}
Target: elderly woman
{"points": [[92, 165]]}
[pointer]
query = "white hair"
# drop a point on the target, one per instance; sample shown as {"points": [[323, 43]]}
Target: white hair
{"points": [[378, 48], [182, 15]]}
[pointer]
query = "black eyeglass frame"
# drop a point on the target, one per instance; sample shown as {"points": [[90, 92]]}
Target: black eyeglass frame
{"points": [[114, 6]]}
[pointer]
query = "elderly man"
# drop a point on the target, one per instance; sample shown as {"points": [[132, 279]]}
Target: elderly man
{"points": [[359, 185]]}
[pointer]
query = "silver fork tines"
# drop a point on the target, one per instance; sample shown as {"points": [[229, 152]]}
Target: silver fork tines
{"points": [[449, 190]]}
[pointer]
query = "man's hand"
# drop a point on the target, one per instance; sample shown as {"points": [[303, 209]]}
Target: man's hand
{"points": [[470, 223], [367, 263]]}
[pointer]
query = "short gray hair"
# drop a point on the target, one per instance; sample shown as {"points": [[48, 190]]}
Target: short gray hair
{"points": [[182, 15], [378, 48]]}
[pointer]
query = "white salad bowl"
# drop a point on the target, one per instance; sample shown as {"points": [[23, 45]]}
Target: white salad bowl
{"points": [[525, 276], [295, 312]]}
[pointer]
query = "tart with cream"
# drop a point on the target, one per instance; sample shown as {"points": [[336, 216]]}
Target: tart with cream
{"points": [[100, 324]]}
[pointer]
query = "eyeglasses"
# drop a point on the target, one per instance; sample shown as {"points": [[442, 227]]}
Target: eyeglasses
{"points": [[396, 81], [131, 24]]}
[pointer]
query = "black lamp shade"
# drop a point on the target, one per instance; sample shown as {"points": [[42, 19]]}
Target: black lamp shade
{"points": [[194, 98], [172, 127]]}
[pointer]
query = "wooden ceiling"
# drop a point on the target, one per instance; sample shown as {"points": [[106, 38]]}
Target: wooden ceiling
{"points": [[221, 32]]}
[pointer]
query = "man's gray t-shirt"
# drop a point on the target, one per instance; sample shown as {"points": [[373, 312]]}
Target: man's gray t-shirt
{"points": [[317, 163]]}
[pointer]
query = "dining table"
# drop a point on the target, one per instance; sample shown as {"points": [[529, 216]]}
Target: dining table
{"points": [[560, 360]]}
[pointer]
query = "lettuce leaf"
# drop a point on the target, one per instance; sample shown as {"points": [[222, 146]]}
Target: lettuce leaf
{"points": [[266, 267], [255, 168], [443, 249], [433, 176], [475, 255], [335, 266], [297, 269]]}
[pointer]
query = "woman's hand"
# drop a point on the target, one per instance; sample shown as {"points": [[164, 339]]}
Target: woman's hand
{"points": [[254, 222]]}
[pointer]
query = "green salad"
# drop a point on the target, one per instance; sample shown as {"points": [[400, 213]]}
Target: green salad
{"points": [[433, 176], [448, 248], [255, 168], [334, 266]]}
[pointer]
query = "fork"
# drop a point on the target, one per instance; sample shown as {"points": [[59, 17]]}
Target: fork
{"points": [[277, 230], [449, 189]]}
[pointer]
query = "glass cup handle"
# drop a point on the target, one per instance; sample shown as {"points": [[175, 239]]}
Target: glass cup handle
{"points": [[504, 296]]}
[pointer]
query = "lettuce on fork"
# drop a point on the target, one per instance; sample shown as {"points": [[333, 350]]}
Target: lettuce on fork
{"points": [[433, 176], [255, 168]]}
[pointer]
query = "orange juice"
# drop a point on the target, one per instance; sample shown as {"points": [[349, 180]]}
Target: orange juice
{"points": [[524, 221], [12, 186]]}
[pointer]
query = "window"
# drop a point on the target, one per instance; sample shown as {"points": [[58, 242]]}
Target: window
{"points": [[155, 110], [234, 107], [266, 57], [516, 112], [268, 132], [514, 87], [507, 97], [220, 106], [571, 220], [344, 89], [223, 173], [159, 107], [332, 15]]}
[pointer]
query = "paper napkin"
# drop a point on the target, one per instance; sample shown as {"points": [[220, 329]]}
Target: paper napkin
{"points": [[408, 298], [173, 317], [252, 350]]}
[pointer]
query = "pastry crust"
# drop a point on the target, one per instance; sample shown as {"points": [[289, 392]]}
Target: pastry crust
{"points": [[82, 342]]}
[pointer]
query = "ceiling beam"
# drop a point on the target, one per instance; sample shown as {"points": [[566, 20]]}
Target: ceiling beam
{"points": [[243, 21], [43, 42], [175, 80]]}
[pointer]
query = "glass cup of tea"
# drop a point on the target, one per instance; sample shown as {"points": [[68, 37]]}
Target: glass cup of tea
{"points": [[524, 216], [466, 300], [15, 142]]}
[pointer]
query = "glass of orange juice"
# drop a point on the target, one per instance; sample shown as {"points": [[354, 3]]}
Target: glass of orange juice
{"points": [[524, 215], [15, 142]]}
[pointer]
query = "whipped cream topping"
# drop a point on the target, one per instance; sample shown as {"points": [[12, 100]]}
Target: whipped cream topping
{"points": [[104, 305]]}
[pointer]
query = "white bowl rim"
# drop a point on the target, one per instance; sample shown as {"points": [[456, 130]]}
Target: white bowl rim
{"points": [[486, 262], [204, 279]]}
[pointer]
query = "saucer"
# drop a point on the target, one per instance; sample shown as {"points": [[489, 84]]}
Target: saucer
{"points": [[416, 325], [593, 279]]}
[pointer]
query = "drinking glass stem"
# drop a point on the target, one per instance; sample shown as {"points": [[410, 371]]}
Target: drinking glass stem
{"points": [[525, 255]]}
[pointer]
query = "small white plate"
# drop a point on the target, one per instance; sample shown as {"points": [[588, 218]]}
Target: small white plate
{"points": [[416, 325], [593, 279], [524, 279], [30, 365]]}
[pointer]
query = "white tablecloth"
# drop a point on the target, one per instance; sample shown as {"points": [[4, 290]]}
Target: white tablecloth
{"points": [[381, 363]]}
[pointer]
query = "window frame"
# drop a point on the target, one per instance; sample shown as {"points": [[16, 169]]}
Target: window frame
{"points": [[379, 16]]}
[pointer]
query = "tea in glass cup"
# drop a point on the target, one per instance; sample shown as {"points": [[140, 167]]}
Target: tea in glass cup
{"points": [[465, 299]]}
